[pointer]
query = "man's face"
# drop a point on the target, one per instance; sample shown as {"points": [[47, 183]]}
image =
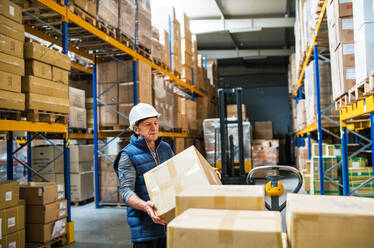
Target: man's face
{"points": [[148, 129]]}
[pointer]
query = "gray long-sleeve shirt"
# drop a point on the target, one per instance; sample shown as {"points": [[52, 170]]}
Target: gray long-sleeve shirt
{"points": [[127, 175]]}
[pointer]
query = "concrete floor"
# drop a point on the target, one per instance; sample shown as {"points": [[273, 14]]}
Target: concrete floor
{"points": [[107, 227]]}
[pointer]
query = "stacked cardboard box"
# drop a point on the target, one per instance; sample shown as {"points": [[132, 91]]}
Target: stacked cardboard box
{"points": [[12, 216], [263, 130], [81, 168], [126, 20], [89, 6], [121, 95], [359, 175], [342, 47], [89, 112], [292, 74], [191, 115], [265, 152], [108, 181], [163, 101], [46, 211], [156, 46], [186, 48], [12, 36], [77, 114], [181, 114], [196, 69], [107, 12], [300, 115], [164, 41], [363, 16], [176, 51], [212, 70], [46, 80], [232, 112], [144, 24]]}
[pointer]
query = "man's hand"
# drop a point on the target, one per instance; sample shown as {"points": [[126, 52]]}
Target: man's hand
{"points": [[149, 207], [217, 172]]}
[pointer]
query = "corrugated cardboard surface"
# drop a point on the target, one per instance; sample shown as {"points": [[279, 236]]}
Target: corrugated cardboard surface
{"points": [[42, 193], [87, 5], [127, 18], [13, 219], [107, 72], [233, 197], [145, 83], [232, 111], [105, 164], [41, 155], [200, 228], [107, 116], [10, 82], [38, 69], [60, 75], [9, 194], [263, 130], [108, 179], [329, 221], [77, 117], [77, 97], [11, 46], [47, 103], [173, 176], [37, 85], [12, 100], [12, 64], [45, 232], [11, 11], [46, 213], [12, 29], [16, 239], [107, 11], [110, 96], [124, 109], [82, 185]]}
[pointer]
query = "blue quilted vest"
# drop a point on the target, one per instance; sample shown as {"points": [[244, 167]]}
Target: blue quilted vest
{"points": [[142, 228]]}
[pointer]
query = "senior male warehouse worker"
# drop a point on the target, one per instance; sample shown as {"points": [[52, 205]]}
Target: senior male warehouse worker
{"points": [[145, 151]]}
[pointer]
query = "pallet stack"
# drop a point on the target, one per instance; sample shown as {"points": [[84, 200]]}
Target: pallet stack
{"points": [[186, 49], [156, 47], [12, 215], [77, 114], [176, 52], [126, 20], [108, 182], [46, 81], [107, 13], [163, 101], [12, 36], [46, 211], [165, 56], [144, 25]]}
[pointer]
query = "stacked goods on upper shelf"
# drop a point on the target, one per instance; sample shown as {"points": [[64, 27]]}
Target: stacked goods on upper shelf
{"points": [[109, 184], [89, 6], [342, 47], [181, 113], [186, 48], [163, 101], [107, 12], [12, 215], [12, 36], [46, 211], [81, 168], [310, 91], [211, 126], [144, 25], [165, 56], [176, 62], [300, 115], [292, 74], [212, 72], [156, 46], [293, 108], [126, 19], [77, 115], [46, 80], [121, 95], [363, 16]]}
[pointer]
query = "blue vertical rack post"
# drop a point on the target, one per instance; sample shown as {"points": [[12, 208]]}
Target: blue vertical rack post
{"points": [[96, 144], [29, 156], [134, 65], [372, 139], [9, 155], [319, 121], [344, 150], [309, 147]]}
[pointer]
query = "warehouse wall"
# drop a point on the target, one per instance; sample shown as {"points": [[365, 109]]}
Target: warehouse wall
{"points": [[265, 97]]}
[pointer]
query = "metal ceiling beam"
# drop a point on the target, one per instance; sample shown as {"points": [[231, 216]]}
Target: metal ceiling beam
{"points": [[245, 53], [239, 25], [222, 20]]}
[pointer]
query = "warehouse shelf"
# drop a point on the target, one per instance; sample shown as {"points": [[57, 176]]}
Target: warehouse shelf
{"points": [[30, 126], [359, 109], [309, 53]]}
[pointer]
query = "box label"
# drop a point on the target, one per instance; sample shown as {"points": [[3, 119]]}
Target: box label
{"points": [[40, 192], [60, 195], [337, 152], [60, 187], [62, 212], [62, 205], [348, 49], [13, 244], [345, 1], [8, 196], [11, 222], [58, 228], [347, 24], [350, 74], [356, 164], [11, 10]]}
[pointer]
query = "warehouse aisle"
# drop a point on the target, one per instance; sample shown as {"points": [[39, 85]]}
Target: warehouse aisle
{"points": [[103, 228]]}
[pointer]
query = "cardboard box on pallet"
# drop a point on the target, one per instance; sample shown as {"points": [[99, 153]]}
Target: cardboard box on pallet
{"points": [[330, 188], [12, 29], [263, 130], [47, 213], [60, 75], [11, 11], [163, 101], [16, 239], [41, 155], [12, 100], [126, 92], [13, 219], [232, 111], [363, 13], [47, 103], [38, 69], [42, 233], [77, 117], [9, 194], [144, 24], [328, 162], [225, 228], [175, 175], [10, 82], [126, 20], [37, 85], [90, 6], [310, 216], [107, 117], [81, 185], [364, 46], [221, 197], [42, 193], [11, 46], [107, 12], [12, 64]]}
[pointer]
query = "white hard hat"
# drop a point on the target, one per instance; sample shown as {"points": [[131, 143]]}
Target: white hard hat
{"points": [[142, 111]]}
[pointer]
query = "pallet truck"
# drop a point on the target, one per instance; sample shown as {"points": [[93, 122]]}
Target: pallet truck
{"points": [[274, 188]]}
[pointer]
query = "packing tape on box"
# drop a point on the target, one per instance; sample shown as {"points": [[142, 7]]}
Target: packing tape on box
{"points": [[219, 202], [225, 231], [176, 181]]}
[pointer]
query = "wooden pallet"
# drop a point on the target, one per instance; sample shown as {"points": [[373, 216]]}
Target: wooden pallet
{"points": [[145, 52], [79, 130], [165, 66], [356, 93], [47, 116], [113, 128], [369, 85], [83, 14], [156, 61], [81, 203], [106, 28], [56, 242], [10, 114], [341, 102], [125, 40]]}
